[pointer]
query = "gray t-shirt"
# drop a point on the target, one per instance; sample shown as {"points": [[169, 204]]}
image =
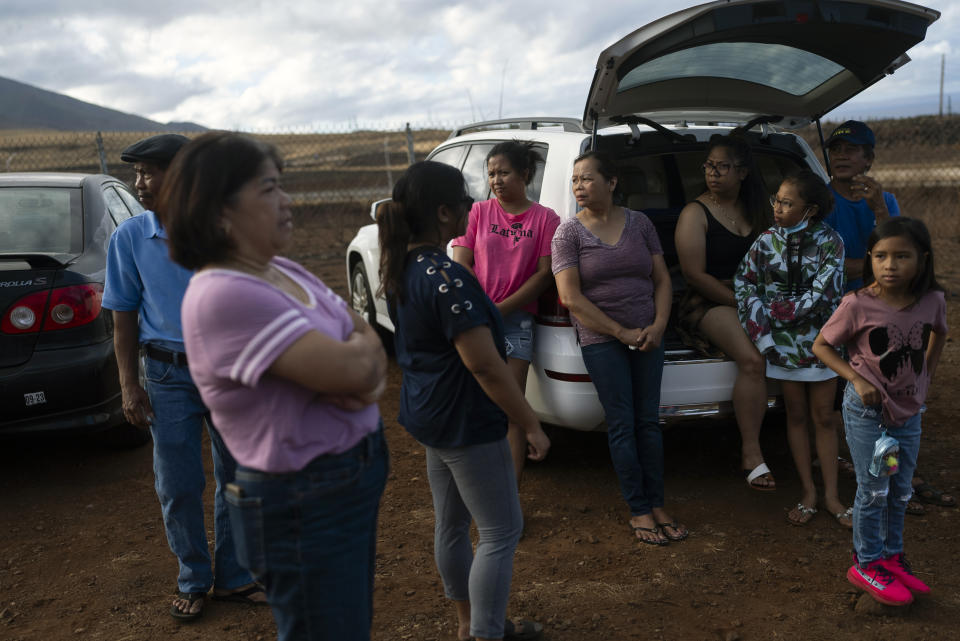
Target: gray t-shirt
{"points": [[615, 278]]}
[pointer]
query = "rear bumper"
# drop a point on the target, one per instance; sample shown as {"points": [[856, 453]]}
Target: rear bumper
{"points": [[560, 392], [80, 388]]}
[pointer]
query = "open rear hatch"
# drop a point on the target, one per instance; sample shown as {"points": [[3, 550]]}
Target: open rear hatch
{"points": [[733, 61]]}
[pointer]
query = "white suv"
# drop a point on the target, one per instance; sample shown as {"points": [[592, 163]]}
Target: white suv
{"points": [[657, 97]]}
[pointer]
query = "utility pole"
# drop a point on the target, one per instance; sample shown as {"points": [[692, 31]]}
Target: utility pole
{"points": [[502, 74], [943, 62]]}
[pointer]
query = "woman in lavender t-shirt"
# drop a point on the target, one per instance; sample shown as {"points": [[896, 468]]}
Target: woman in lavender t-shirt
{"points": [[612, 277], [291, 377]]}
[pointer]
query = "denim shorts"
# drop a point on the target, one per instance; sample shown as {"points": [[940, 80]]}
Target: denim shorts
{"points": [[518, 335]]}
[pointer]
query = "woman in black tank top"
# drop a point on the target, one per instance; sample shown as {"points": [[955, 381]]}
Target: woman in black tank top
{"points": [[712, 236]]}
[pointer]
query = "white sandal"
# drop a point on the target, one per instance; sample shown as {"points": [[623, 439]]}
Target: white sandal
{"points": [[756, 473]]}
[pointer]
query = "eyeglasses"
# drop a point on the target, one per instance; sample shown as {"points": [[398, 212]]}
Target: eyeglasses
{"points": [[776, 202], [718, 168]]}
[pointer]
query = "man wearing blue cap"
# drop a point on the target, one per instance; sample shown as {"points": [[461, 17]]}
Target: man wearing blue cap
{"points": [[859, 200], [144, 288], [860, 204]]}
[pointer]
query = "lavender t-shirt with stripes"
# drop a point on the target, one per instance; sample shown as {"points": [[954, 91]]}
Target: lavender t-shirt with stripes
{"points": [[234, 327], [615, 278]]}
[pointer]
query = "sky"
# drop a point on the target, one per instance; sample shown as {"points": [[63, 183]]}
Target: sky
{"points": [[290, 65]]}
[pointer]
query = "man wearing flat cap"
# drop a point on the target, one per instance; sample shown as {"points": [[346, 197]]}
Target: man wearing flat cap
{"points": [[144, 288], [860, 203]]}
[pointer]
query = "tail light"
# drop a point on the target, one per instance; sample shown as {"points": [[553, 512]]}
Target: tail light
{"points": [[550, 311], [61, 308]]}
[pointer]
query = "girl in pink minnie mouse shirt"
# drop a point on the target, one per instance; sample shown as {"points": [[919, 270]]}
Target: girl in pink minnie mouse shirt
{"points": [[787, 286]]}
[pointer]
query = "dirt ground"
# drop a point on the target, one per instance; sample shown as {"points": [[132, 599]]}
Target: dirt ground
{"points": [[83, 553]]}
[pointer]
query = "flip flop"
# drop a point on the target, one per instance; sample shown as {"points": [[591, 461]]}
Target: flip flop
{"points": [[191, 598], [529, 630], [760, 471], [684, 532], [651, 530], [915, 508], [806, 513], [926, 493], [242, 596], [845, 518]]}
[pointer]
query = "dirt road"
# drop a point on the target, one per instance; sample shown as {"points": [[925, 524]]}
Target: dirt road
{"points": [[83, 553]]}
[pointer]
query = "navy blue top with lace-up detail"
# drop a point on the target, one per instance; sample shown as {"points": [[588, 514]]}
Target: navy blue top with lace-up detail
{"points": [[441, 403]]}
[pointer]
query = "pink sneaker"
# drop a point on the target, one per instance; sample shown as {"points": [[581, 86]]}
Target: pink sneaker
{"points": [[898, 566], [879, 583]]}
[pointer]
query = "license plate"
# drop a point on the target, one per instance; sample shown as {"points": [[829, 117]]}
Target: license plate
{"points": [[34, 398]]}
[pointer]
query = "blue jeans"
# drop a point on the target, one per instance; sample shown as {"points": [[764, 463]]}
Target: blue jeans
{"points": [[880, 503], [518, 335], [476, 482], [310, 537], [628, 386], [177, 427]]}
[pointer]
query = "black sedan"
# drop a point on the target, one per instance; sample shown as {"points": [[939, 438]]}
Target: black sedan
{"points": [[57, 366]]}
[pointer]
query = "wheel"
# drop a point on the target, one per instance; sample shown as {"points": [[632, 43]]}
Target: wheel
{"points": [[360, 298], [362, 302]]}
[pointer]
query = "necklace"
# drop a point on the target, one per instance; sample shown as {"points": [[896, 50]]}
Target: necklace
{"points": [[733, 220]]}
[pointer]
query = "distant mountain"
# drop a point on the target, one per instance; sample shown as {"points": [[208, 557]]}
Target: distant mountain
{"points": [[26, 107]]}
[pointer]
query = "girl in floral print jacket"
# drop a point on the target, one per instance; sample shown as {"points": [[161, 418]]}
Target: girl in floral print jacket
{"points": [[787, 286]]}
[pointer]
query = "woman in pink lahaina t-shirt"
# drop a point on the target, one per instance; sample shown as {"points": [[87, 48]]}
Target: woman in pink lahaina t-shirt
{"points": [[507, 246]]}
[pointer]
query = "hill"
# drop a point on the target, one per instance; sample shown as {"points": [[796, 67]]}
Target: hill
{"points": [[23, 106]]}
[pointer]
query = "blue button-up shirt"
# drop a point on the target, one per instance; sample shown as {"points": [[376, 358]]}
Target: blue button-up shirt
{"points": [[141, 277]]}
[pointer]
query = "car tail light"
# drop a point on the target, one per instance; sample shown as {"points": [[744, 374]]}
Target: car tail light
{"points": [[61, 308], [550, 311]]}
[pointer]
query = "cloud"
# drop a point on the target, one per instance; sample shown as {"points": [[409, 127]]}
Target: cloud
{"points": [[297, 63]]}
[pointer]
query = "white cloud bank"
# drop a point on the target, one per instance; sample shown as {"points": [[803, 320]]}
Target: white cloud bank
{"points": [[298, 64]]}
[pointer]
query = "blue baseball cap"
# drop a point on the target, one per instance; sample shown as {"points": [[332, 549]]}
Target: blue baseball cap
{"points": [[853, 131]]}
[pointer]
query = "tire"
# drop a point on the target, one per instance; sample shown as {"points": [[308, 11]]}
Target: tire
{"points": [[361, 301], [360, 298]]}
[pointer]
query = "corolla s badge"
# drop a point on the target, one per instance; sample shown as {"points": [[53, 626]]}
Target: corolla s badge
{"points": [[39, 280]]}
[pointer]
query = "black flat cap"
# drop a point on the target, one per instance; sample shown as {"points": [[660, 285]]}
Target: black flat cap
{"points": [[158, 149]]}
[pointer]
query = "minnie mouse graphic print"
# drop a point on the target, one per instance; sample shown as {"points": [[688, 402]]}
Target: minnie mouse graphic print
{"points": [[888, 346], [894, 350]]}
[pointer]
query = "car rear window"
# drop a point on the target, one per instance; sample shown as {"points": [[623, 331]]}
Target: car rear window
{"points": [[788, 69], [40, 220]]}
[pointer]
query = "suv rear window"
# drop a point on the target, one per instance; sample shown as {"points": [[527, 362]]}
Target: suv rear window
{"points": [[471, 159], [788, 69], [40, 220]]}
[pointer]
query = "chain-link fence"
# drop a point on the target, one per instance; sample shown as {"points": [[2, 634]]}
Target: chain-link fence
{"points": [[918, 160], [333, 177]]}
